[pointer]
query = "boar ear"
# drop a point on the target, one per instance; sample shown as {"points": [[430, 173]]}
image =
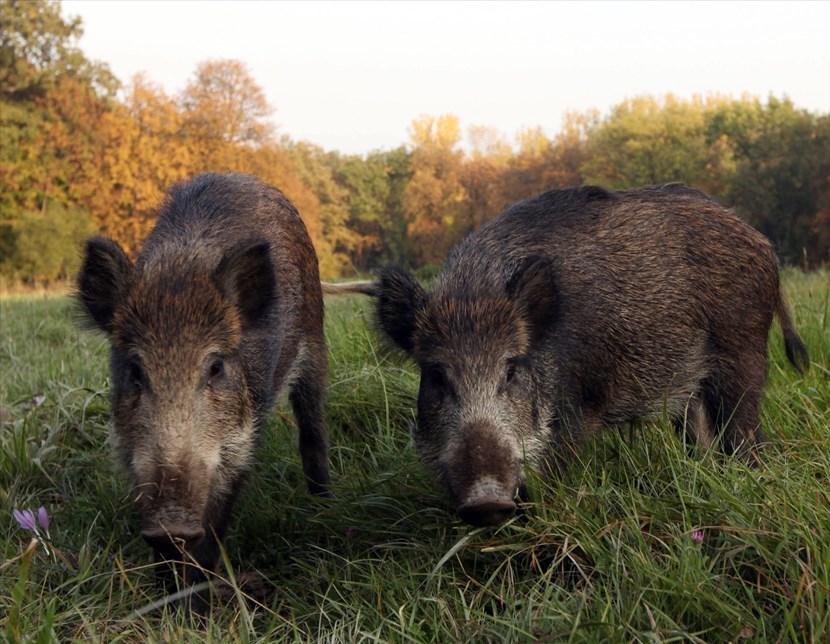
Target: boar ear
{"points": [[103, 279], [246, 278], [400, 297], [533, 286]]}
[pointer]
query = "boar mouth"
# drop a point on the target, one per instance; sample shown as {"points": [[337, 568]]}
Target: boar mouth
{"points": [[491, 510], [173, 540]]}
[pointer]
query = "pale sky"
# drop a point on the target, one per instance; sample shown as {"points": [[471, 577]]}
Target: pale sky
{"points": [[352, 76]]}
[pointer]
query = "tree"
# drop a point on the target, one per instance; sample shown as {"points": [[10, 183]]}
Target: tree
{"points": [[49, 92], [38, 46], [144, 153], [433, 198], [781, 176], [225, 109], [570, 148], [488, 142], [525, 174], [647, 140], [374, 188], [336, 241], [46, 245]]}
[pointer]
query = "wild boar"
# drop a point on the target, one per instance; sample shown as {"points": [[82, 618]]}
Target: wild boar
{"points": [[221, 312], [580, 309]]}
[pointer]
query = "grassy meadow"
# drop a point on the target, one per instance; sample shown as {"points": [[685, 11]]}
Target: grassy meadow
{"points": [[606, 553]]}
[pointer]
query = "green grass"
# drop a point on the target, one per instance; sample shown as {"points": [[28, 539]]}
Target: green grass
{"points": [[605, 553]]}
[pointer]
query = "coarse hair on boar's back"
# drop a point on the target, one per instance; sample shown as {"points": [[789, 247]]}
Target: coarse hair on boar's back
{"points": [[583, 308], [220, 313]]}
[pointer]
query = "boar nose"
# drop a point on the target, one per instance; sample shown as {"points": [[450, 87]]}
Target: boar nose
{"points": [[174, 536], [487, 511]]}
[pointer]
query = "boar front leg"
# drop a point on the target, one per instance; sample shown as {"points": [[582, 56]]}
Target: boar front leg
{"points": [[306, 398]]}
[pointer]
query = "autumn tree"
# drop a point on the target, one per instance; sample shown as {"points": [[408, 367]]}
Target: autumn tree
{"points": [[274, 163], [38, 53], [525, 172], [75, 157], [570, 148], [224, 111], [51, 101], [434, 197], [483, 178], [144, 153]]}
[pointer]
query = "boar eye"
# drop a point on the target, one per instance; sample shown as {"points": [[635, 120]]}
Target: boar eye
{"points": [[216, 370], [436, 383], [136, 375], [436, 388], [511, 373], [436, 379]]}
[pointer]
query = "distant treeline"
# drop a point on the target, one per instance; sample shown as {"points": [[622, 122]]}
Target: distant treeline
{"points": [[79, 153]]}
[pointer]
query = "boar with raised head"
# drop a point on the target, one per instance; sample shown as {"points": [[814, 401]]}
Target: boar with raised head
{"points": [[220, 313], [579, 309]]}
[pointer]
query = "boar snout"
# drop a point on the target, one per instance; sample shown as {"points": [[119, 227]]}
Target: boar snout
{"points": [[173, 503], [482, 470]]}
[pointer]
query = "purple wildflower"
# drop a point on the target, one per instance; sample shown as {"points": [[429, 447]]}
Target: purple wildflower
{"points": [[43, 518], [351, 533], [697, 536], [26, 519]]}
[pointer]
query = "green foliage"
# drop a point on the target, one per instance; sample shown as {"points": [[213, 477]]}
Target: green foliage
{"points": [[770, 161], [603, 554], [335, 242], [650, 141], [374, 188], [37, 46], [21, 170], [781, 176], [45, 246]]}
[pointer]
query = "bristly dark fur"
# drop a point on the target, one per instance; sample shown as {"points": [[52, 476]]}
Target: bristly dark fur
{"points": [[221, 312], [582, 308]]}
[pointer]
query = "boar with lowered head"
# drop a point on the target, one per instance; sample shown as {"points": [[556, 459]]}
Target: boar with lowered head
{"points": [[579, 309], [221, 312]]}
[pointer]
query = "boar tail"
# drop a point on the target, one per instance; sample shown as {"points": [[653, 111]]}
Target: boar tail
{"points": [[793, 344], [367, 288]]}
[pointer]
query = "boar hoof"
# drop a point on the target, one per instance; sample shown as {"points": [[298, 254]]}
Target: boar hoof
{"points": [[488, 510], [174, 537]]}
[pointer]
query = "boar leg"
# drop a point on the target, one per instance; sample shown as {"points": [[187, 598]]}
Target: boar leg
{"points": [[307, 401], [734, 401], [696, 424]]}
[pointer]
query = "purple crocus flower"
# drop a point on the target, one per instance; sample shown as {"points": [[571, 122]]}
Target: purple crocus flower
{"points": [[43, 518], [26, 519], [697, 536]]}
